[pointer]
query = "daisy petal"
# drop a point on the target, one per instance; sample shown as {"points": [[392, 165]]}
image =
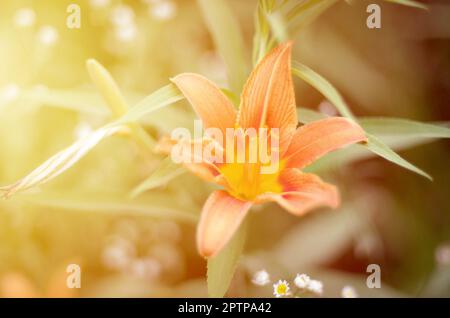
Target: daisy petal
{"points": [[268, 97], [221, 216], [208, 101], [303, 192], [312, 141]]}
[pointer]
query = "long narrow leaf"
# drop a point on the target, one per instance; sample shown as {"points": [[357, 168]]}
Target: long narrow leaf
{"points": [[409, 3], [380, 148], [165, 172], [402, 127], [61, 161], [221, 268], [399, 133], [227, 37], [323, 86]]}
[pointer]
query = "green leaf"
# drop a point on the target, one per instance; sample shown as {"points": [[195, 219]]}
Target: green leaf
{"points": [[61, 161], [165, 172], [409, 3], [164, 96], [306, 12], [306, 115], [380, 148], [66, 158], [278, 26], [224, 29], [402, 127], [221, 268], [262, 36], [399, 133], [323, 86]]}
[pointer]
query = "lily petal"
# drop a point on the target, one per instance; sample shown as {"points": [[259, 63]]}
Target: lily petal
{"points": [[318, 138], [208, 101], [304, 192], [268, 98], [221, 216], [207, 171]]}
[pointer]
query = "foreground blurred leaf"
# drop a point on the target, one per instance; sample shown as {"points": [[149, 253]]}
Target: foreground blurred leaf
{"points": [[166, 171], [221, 268], [323, 86], [438, 284], [224, 29], [158, 205], [79, 100], [306, 245]]}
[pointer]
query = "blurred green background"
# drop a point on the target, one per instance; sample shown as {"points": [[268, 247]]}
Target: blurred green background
{"points": [[145, 247]]}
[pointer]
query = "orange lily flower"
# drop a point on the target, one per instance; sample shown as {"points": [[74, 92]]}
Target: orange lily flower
{"points": [[267, 100]]}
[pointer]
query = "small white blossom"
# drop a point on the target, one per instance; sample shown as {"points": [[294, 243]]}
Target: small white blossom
{"points": [[281, 289], [163, 10], [126, 33], [302, 280], [122, 15], [261, 278], [99, 3], [24, 17], [9, 93], [349, 292], [82, 130], [315, 286], [47, 35], [443, 255]]}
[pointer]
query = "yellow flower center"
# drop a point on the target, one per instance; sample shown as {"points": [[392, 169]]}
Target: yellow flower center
{"points": [[281, 289], [246, 180]]}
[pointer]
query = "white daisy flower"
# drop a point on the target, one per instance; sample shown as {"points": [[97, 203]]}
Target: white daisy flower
{"points": [[302, 281], [349, 292], [281, 289], [315, 286], [261, 278]]}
